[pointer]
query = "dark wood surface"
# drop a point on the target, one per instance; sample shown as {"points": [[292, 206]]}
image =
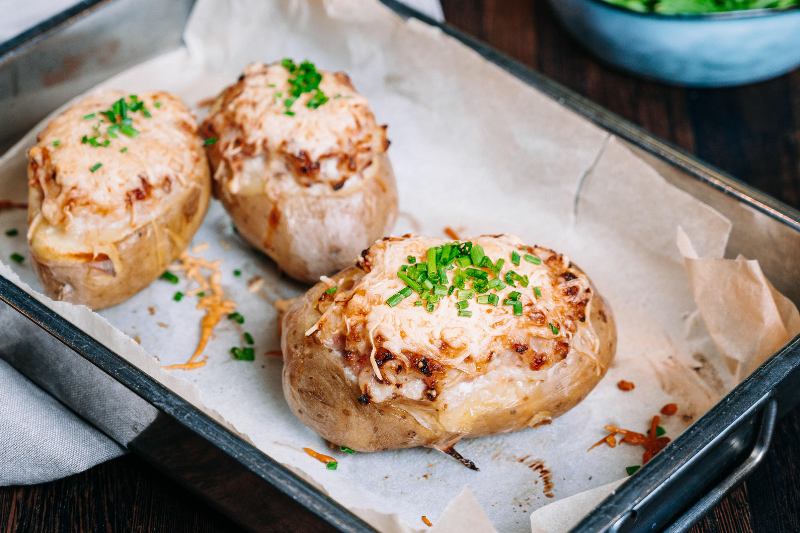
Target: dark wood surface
{"points": [[752, 132]]}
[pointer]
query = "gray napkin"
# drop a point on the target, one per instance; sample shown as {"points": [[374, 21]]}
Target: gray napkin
{"points": [[40, 439]]}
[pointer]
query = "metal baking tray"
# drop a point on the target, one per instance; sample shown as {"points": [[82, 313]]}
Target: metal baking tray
{"points": [[69, 53]]}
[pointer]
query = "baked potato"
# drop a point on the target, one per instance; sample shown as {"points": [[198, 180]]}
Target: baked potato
{"points": [[387, 355], [301, 167], [118, 185]]}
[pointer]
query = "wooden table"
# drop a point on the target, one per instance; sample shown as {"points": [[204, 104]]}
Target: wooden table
{"points": [[751, 132]]}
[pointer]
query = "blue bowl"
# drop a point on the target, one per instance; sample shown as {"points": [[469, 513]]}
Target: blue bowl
{"points": [[704, 50]]}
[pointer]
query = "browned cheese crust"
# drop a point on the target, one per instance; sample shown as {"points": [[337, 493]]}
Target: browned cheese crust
{"points": [[97, 237], [443, 377], [311, 189]]}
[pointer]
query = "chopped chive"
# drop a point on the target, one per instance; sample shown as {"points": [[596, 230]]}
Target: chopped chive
{"points": [[632, 469], [127, 122], [659, 431], [429, 306], [508, 301], [201, 294], [406, 292], [209, 141], [515, 258], [533, 259], [463, 261], [477, 255], [419, 302], [106, 142], [178, 296], [537, 292], [403, 268], [237, 317], [248, 338], [145, 112], [95, 167], [335, 288], [427, 284], [410, 282], [496, 284], [451, 289], [169, 276], [56, 143], [394, 300], [124, 150], [249, 354], [478, 274], [494, 299], [553, 328], [332, 465], [12, 233], [346, 449], [270, 85], [465, 294], [524, 281], [464, 312], [91, 115], [290, 113], [236, 352], [510, 278], [129, 131], [514, 295], [411, 259], [440, 290], [443, 275], [17, 258], [462, 304], [498, 266], [517, 308], [157, 104], [431, 261]]}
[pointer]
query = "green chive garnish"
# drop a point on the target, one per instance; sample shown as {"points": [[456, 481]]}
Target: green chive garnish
{"points": [[17, 258], [169, 276], [514, 295], [517, 308], [483, 299], [394, 300], [553, 328], [95, 167], [129, 131], [290, 113], [411, 259], [178, 296], [429, 306], [201, 294], [332, 465], [346, 449], [56, 143], [464, 312], [463, 261], [533, 259], [419, 302], [237, 317], [431, 260], [124, 150], [477, 255], [335, 288], [157, 104], [537, 292], [478, 274], [249, 354], [515, 258], [87, 117], [209, 141], [440, 290], [248, 338], [632, 469], [508, 301], [465, 294], [410, 282], [237, 273], [12, 233], [462, 304]]}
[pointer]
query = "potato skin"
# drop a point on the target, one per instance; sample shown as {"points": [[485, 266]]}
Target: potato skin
{"points": [[314, 234], [322, 397], [145, 254]]}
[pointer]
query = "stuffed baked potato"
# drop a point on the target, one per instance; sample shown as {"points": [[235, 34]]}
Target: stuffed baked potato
{"points": [[301, 167], [118, 185], [512, 338]]}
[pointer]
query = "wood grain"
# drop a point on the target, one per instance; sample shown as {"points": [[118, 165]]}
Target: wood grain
{"points": [[752, 132]]}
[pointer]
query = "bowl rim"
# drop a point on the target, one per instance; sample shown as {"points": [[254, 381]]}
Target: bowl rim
{"points": [[713, 15]]}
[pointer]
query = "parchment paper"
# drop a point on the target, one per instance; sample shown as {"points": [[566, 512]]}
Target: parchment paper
{"points": [[475, 149]]}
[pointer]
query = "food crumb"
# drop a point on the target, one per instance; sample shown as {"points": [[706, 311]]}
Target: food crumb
{"points": [[669, 409], [427, 522], [162, 325], [137, 339], [450, 232], [255, 283], [625, 385], [200, 248], [151, 310], [273, 352], [224, 244]]}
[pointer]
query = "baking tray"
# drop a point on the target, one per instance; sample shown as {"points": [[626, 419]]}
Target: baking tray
{"points": [[74, 50]]}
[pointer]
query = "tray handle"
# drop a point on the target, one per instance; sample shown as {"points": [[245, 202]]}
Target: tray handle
{"points": [[715, 495]]}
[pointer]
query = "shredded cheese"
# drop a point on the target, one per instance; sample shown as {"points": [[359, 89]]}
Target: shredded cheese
{"points": [[213, 301], [321, 457]]}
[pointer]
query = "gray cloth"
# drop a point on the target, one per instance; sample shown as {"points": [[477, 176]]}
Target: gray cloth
{"points": [[40, 439]]}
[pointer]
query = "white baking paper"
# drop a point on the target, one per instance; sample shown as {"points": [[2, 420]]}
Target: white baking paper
{"points": [[477, 150]]}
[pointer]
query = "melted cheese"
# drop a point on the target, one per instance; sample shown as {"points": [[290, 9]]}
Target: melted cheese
{"points": [[513, 349], [257, 139], [121, 195]]}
